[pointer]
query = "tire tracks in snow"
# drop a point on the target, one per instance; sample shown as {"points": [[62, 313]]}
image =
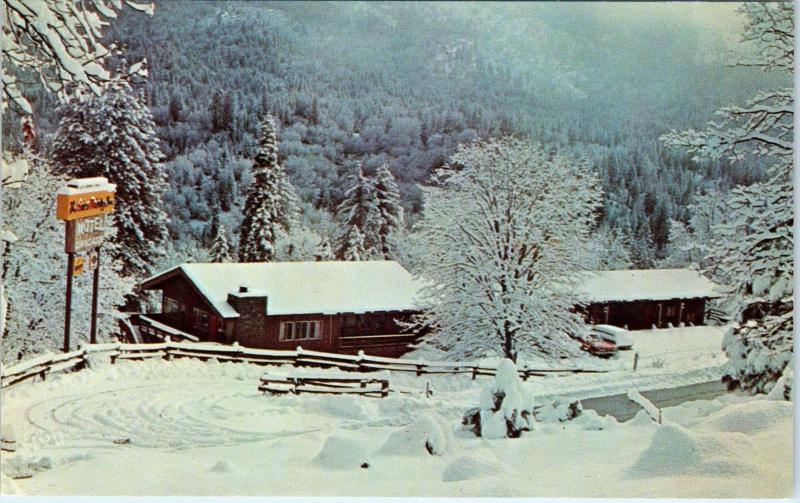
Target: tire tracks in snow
{"points": [[172, 415]]}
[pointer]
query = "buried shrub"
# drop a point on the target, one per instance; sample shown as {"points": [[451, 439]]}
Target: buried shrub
{"points": [[430, 434], [561, 410], [506, 408]]}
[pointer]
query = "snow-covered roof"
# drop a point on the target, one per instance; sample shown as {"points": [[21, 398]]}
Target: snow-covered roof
{"points": [[646, 284], [304, 287]]}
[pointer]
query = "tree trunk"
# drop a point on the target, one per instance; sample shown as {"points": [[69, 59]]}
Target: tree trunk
{"points": [[509, 342]]}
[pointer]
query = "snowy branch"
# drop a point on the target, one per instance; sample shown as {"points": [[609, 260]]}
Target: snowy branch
{"points": [[59, 42]]}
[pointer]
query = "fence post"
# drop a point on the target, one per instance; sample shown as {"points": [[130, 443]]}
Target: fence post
{"points": [[360, 358], [474, 373], [635, 361], [82, 364], [113, 356], [298, 352]]}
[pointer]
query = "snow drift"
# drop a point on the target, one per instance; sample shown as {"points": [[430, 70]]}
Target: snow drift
{"points": [[429, 434], [478, 464], [751, 417], [223, 466], [675, 450], [341, 453]]}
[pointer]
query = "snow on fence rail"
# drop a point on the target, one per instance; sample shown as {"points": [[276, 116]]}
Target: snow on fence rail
{"points": [[168, 350], [366, 384], [646, 405], [717, 315], [41, 366], [157, 330]]}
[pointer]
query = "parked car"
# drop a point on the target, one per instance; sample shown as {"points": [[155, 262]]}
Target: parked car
{"points": [[615, 335], [592, 343]]}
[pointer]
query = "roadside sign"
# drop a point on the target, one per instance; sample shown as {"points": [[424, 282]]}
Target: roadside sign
{"points": [[84, 234], [83, 204], [94, 260], [78, 267], [86, 197]]}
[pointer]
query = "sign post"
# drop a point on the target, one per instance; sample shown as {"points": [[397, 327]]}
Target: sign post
{"points": [[68, 312], [83, 205], [94, 263]]}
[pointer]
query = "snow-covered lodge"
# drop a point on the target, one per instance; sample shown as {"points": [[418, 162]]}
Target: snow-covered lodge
{"points": [[339, 307], [640, 299]]}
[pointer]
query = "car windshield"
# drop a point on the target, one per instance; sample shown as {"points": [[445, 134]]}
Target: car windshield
{"points": [[592, 337]]}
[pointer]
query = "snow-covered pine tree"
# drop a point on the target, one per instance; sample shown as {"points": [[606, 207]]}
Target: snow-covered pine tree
{"points": [[680, 250], [60, 42], [34, 269], [113, 135], [213, 227], [324, 251], [502, 243], [751, 251], [360, 216], [353, 248], [611, 248], [707, 210], [271, 204], [643, 250], [390, 211], [298, 245], [688, 245], [220, 251]]}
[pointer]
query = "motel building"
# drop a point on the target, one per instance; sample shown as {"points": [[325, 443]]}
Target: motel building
{"points": [[339, 307], [647, 298], [345, 307]]}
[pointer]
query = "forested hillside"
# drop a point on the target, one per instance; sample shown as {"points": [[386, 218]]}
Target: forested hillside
{"points": [[404, 84]]}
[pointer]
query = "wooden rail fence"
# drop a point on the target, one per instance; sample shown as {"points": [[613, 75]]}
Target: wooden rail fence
{"points": [[717, 315], [41, 366], [365, 384]]}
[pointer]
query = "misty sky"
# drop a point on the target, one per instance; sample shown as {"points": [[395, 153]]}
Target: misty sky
{"points": [[719, 16]]}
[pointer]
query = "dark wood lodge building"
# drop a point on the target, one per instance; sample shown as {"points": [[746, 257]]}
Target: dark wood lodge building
{"points": [[339, 307], [642, 299], [344, 307]]}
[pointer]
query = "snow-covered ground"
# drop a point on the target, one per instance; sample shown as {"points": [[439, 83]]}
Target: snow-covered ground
{"points": [[666, 358], [192, 428]]}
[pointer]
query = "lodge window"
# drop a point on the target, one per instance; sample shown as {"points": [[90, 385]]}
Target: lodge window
{"points": [[200, 319], [171, 305], [299, 330], [351, 321], [671, 311]]}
